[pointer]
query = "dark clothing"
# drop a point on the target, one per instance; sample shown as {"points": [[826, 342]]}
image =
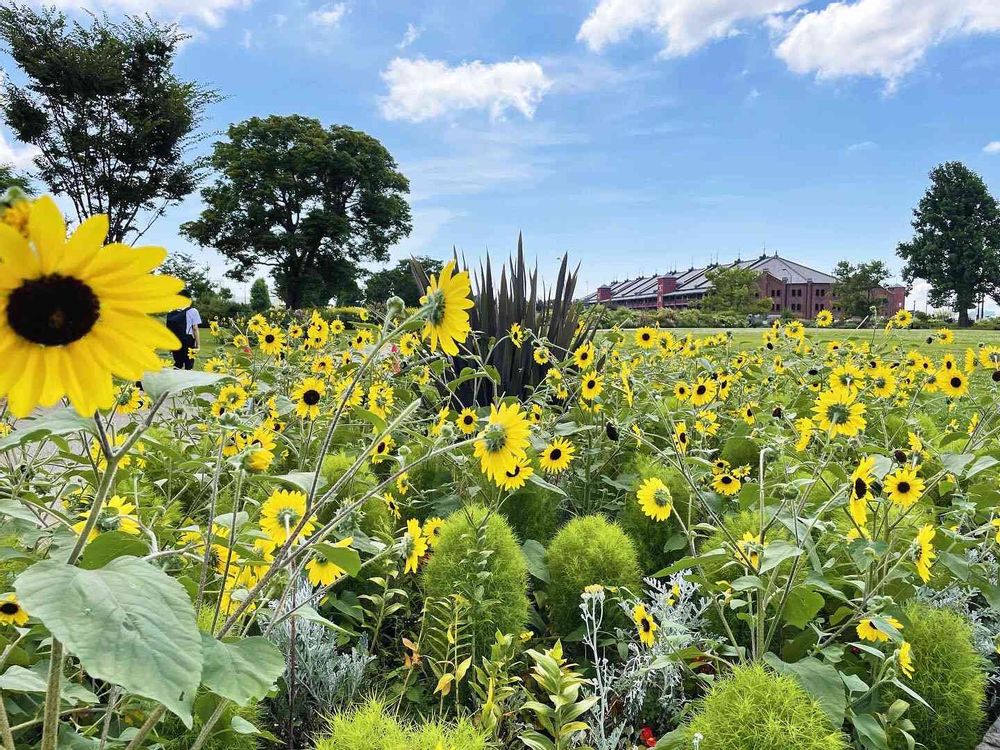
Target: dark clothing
{"points": [[182, 356]]}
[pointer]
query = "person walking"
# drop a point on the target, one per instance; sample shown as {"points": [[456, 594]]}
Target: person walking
{"points": [[183, 323]]}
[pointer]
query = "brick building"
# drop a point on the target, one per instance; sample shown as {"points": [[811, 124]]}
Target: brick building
{"points": [[801, 290]]}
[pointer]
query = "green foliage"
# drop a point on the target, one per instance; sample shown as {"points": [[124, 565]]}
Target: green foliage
{"points": [[754, 708], [956, 240], [587, 550], [741, 451], [9, 177], [478, 556], [213, 300], [224, 734], [856, 285], [398, 280], [101, 102], [734, 290], [650, 536], [560, 716], [533, 512], [499, 303], [372, 727], [260, 297], [341, 201], [948, 674]]}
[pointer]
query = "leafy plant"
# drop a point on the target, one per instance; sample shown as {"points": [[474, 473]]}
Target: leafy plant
{"points": [[373, 727], [559, 717]]}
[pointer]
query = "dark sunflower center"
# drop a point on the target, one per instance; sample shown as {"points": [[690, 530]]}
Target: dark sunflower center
{"points": [[468, 419], [903, 488], [591, 384], [310, 397], [645, 337], [956, 382], [645, 625], [269, 338], [860, 487], [726, 479], [9, 608], [53, 310], [555, 454], [701, 390]]}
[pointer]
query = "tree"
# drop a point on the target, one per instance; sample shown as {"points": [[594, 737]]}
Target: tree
{"points": [[111, 120], [211, 298], [260, 298], [9, 177], [398, 280], [306, 201], [855, 286], [956, 241], [735, 290]]}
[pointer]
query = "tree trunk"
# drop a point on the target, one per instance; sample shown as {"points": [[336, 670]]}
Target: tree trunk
{"points": [[963, 317]]}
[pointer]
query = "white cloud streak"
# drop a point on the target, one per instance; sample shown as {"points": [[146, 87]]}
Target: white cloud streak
{"points": [[422, 89], [208, 12], [329, 16], [992, 148]]}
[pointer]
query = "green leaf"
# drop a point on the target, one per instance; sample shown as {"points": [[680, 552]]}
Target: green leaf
{"points": [[243, 670], [821, 681], [955, 463], [128, 623], [802, 605], [870, 732], [110, 545], [35, 680], [62, 422], [241, 726], [534, 555], [168, 382], [342, 557], [776, 553]]}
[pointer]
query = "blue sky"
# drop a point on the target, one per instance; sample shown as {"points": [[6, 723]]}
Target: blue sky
{"points": [[637, 135]]}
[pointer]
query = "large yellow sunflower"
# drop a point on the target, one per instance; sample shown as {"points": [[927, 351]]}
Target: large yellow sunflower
{"points": [[447, 300], [281, 513], [839, 412], [501, 445], [655, 499], [645, 624], [556, 456], [307, 396], [904, 487], [74, 312], [924, 556]]}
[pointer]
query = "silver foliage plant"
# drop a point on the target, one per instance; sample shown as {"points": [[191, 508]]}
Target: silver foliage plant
{"points": [[622, 688]]}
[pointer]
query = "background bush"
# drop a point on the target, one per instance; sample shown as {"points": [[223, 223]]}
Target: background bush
{"points": [[756, 709], [587, 550], [371, 727], [648, 535]]}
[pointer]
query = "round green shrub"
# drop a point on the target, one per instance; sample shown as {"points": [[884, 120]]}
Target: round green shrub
{"points": [[533, 512], [755, 708], [649, 535], [371, 727], [948, 674], [741, 451], [587, 550], [498, 591]]}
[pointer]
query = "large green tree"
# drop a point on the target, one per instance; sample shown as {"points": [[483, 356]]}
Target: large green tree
{"points": [[306, 201], [956, 240], [734, 290], [398, 280], [112, 122], [855, 287]]}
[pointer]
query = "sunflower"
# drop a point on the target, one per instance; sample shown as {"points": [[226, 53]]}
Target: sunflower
{"points": [[380, 398], [295, 331], [117, 514], [645, 337], [516, 477], [902, 319], [839, 413], [645, 624], [11, 611], [726, 484], [446, 302], [271, 341], [408, 344], [925, 552], [953, 383], [824, 318], [336, 326], [281, 513], [417, 547], [432, 530], [703, 391], [232, 396], [904, 487], [382, 449], [77, 312], [516, 334], [541, 355], [681, 437], [584, 355], [868, 630], [748, 549], [556, 456], [307, 395], [682, 391], [466, 421], [883, 381], [860, 491], [591, 386], [322, 364], [391, 504], [501, 445], [906, 658], [655, 499], [989, 357], [322, 572], [847, 376]]}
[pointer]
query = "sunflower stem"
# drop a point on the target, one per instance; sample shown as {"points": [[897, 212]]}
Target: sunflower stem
{"points": [[5, 734]]}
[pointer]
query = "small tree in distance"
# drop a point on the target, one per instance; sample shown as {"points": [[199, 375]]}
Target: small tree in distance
{"points": [[398, 280], [735, 290], [855, 284], [260, 297]]}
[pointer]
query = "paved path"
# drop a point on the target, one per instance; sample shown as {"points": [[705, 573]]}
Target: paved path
{"points": [[992, 739]]}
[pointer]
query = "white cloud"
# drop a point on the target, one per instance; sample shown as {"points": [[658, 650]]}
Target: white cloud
{"points": [[19, 155], [409, 37], [329, 15], [421, 89], [885, 38], [686, 24], [862, 146], [247, 41], [208, 12], [993, 147]]}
